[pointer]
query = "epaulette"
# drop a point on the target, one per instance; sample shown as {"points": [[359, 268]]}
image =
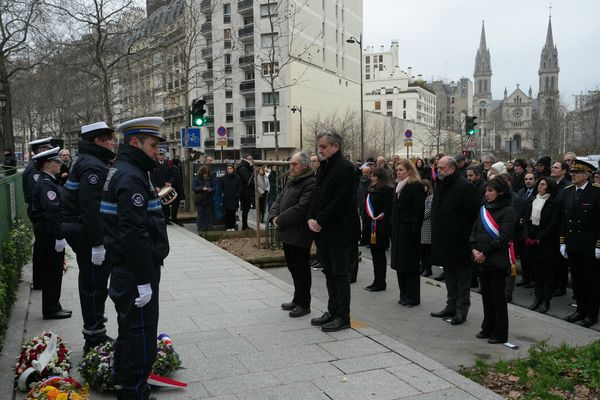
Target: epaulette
{"points": [[571, 185], [596, 185]]}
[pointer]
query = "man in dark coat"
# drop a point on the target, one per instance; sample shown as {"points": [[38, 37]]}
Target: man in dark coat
{"points": [[162, 176], [474, 176], [453, 212], [333, 217], [178, 186], [10, 163], [246, 173]]}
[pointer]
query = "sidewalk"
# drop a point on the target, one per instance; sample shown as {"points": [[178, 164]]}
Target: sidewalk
{"points": [[235, 342]]}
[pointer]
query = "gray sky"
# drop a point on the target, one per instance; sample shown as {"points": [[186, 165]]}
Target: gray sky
{"points": [[439, 39]]}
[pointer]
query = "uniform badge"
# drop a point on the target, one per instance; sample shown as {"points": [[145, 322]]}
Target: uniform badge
{"points": [[36, 177], [93, 179], [51, 195], [138, 200]]}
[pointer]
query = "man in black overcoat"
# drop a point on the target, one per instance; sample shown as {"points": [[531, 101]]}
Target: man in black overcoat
{"points": [[453, 211]]}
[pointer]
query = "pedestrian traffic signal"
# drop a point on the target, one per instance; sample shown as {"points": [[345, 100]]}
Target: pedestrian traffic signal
{"points": [[198, 111], [470, 126]]}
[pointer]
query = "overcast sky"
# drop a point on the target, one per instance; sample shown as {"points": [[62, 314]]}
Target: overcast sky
{"points": [[439, 39]]}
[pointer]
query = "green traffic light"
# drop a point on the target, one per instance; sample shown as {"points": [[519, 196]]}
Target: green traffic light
{"points": [[199, 121], [472, 132]]}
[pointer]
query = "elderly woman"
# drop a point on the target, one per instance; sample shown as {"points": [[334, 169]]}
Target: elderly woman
{"points": [[289, 214]]}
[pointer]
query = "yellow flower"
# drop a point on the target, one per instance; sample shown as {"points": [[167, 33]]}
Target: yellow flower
{"points": [[62, 396], [75, 396]]}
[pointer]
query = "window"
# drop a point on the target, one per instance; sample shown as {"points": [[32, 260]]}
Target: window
{"points": [[381, 67], [227, 60], [268, 39], [227, 13], [403, 114], [269, 126], [389, 104], [268, 9], [368, 69], [250, 130], [389, 114], [228, 94], [378, 105], [367, 77], [367, 59], [228, 108], [270, 68], [268, 99], [403, 103], [249, 75], [227, 34], [380, 58]]}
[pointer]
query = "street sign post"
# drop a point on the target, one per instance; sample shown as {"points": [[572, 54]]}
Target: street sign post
{"points": [[222, 140], [190, 137]]}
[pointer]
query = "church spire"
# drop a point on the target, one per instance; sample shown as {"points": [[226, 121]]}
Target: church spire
{"points": [[482, 43], [549, 40]]}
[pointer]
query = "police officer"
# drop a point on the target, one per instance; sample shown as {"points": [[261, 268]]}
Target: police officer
{"points": [[30, 176], [135, 237], [46, 215], [83, 228], [580, 241]]}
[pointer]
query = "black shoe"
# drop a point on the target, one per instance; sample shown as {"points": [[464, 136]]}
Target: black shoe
{"points": [[445, 313], [336, 325], [67, 311], [299, 311], [458, 320], [104, 319], [576, 316], [288, 306], [374, 288], [427, 273], [322, 320], [559, 292], [440, 277], [535, 305], [353, 279], [410, 305], [482, 335], [37, 287], [495, 341], [544, 308], [58, 315], [586, 323]]}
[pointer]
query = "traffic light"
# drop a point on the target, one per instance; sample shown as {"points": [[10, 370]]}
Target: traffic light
{"points": [[470, 126], [198, 111]]}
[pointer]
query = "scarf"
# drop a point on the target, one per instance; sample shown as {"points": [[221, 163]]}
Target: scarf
{"points": [[400, 185], [536, 208]]}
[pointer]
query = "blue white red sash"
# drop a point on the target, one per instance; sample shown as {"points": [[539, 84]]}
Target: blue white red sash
{"points": [[371, 213], [434, 173], [492, 227]]}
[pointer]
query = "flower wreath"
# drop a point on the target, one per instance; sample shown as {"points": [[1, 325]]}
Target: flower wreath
{"points": [[58, 365], [57, 388], [96, 366]]}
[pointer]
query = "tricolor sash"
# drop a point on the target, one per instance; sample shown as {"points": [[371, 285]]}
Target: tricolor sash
{"points": [[371, 214], [492, 227]]}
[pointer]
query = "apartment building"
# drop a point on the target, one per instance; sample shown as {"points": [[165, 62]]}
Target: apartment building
{"points": [[454, 100]]}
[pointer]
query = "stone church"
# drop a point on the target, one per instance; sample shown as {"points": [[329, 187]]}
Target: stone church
{"points": [[511, 121]]}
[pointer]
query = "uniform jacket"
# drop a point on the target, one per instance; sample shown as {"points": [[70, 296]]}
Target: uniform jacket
{"points": [[82, 191], [134, 224], [407, 218], [30, 176], [231, 187], [453, 212], [495, 250], [246, 173], [162, 173], [46, 206], [580, 229], [334, 201], [204, 197], [547, 233], [177, 181], [381, 200], [291, 209]]}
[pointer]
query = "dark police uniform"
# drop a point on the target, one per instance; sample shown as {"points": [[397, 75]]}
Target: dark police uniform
{"points": [[580, 232], [46, 215], [83, 228], [136, 239]]}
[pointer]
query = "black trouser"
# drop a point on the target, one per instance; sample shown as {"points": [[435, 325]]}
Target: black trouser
{"points": [[38, 261], [544, 279], [562, 274], [175, 208], [528, 255], [585, 275], [425, 256], [230, 219], [409, 283], [495, 311], [458, 285], [262, 208], [353, 266], [335, 259], [166, 209], [51, 268], [379, 266], [297, 260], [245, 210], [135, 346]]}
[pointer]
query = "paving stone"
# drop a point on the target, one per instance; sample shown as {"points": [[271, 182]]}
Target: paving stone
{"points": [[407, 352], [447, 394], [226, 347], [353, 347], [282, 340], [242, 305], [204, 369], [225, 320], [296, 391], [369, 362], [306, 373], [420, 378], [277, 359], [377, 384], [466, 384], [240, 383]]}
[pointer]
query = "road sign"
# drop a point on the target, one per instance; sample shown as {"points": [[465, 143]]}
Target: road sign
{"points": [[222, 131], [191, 138], [408, 134], [408, 143], [222, 142]]}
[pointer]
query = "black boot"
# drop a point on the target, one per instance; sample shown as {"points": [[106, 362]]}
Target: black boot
{"points": [[536, 303], [544, 308]]}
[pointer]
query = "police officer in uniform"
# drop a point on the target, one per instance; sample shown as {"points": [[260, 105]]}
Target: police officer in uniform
{"points": [[135, 237], [580, 241], [30, 176], [83, 227], [46, 215]]}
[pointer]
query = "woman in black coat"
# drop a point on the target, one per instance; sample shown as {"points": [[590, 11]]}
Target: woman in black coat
{"points": [[491, 242], [378, 210], [203, 187], [407, 216], [541, 239], [231, 187], [289, 213]]}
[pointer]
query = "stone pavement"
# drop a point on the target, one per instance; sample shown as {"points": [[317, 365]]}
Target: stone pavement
{"points": [[235, 342]]}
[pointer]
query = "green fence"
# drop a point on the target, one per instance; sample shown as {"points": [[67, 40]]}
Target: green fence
{"points": [[12, 205]]}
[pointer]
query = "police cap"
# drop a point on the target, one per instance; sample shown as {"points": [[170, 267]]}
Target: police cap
{"points": [[147, 125], [47, 155], [95, 129], [581, 166], [36, 144]]}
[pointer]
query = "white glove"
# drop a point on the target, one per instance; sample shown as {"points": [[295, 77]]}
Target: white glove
{"points": [[145, 292], [98, 255], [59, 245], [597, 253], [563, 250]]}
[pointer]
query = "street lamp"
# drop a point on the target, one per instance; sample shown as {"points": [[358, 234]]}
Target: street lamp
{"points": [[294, 109], [353, 39]]}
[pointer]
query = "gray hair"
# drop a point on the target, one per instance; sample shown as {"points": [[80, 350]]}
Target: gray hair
{"points": [[303, 158], [489, 157], [452, 162], [332, 137]]}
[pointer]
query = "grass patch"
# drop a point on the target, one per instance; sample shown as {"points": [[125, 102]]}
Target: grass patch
{"points": [[548, 373]]}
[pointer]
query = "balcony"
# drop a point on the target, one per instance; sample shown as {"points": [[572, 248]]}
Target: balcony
{"points": [[173, 112], [209, 143], [207, 75], [209, 98], [210, 120], [246, 33], [206, 28], [205, 6], [246, 61], [206, 53], [228, 68], [247, 86], [248, 141], [248, 114], [245, 6]]}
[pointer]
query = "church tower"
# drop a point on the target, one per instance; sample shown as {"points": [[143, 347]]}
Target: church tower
{"points": [[548, 72], [482, 96]]}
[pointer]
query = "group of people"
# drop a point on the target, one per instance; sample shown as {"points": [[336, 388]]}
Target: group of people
{"points": [[107, 208]]}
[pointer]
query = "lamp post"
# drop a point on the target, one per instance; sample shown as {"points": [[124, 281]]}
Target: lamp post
{"points": [[294, 109], [353, 39]]}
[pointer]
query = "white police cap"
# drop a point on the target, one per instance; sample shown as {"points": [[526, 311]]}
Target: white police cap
{"points": [[41, 142], [47, 155], [146, 125], [95, 129]]}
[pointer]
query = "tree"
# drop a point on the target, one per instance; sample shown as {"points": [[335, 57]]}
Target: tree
{"points": [[587, 118], [549, 125]]}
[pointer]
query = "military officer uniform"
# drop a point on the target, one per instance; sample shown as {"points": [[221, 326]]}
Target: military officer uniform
{"points": [[579, 209], [136, 239], [46, 215], [84, 231]]}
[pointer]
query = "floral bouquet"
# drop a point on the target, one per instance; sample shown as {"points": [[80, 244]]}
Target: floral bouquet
{"points": [[41, 357], [167, 360], [57, 388]]}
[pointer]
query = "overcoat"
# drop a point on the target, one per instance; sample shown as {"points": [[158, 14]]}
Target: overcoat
{"points": [[407, 218]]}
